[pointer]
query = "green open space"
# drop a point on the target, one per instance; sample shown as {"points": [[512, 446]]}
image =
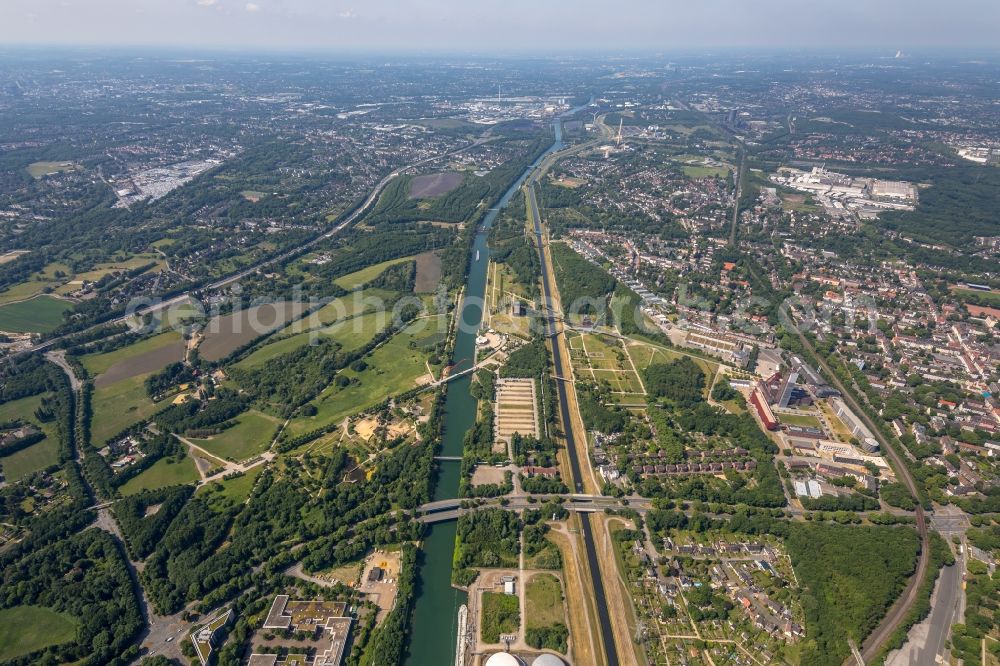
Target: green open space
{"points": [[98, 363], [543, 601], [393, 368], [351, 333], [120, 405], [231, 491], [805, 420], [164, 472], [250, 436], [39, 455], [36, 315], [41, 169], [501, 615], [27, 461], [26, 629], [365, 275]]}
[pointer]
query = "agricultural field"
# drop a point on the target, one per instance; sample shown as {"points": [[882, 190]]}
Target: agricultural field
{"points": [[393, 368], [164, 472], [251, 436], [119, 405], [428, 272], [25, 629], [36, 315], [145, 356], [120, 398], [227, 333], [27, 461]]}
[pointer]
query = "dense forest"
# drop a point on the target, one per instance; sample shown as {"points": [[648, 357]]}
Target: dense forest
{"points": [[583, 286]]}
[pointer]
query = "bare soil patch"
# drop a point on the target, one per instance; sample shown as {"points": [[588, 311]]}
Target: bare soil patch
{"points": [[487, 474], [428, 272], [434, 184]]}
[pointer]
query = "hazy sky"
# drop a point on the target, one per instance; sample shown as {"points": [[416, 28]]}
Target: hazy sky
{"points": [[502, 25]]}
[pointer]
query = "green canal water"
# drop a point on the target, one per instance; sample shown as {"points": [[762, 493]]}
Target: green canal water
{"points": [[434, 625]]}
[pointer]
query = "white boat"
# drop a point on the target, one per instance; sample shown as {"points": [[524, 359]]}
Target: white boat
{"points": [[477, 255]]}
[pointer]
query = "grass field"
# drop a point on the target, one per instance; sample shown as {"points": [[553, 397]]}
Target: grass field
{"points": [[37, 456], [604, 359], [100, 363], [119, 405], [366, 275], [234, 491], [351, 333], [250, 436], [37, 315], [697, 172], [27, 461], [644, 354], [544, 601], [164, 472], [41, 169], [25, 629], [800, 420], [392, 368]]}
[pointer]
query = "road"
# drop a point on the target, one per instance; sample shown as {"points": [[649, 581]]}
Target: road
{"points": [[739, 193], [218, 284], [929, 639], [898, 612], [574, 448]]}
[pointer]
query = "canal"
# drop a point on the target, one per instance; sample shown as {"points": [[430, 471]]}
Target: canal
{"points": [[435, 616]]}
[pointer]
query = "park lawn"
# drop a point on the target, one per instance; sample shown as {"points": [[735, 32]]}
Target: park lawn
{"points": [[98, 363], [393, 368], [251, 436], [120, 405], [645, 354], [164, 472], [501, 615], [365, 275], [235, 490], [37, 315], [25, 629], [805, 420], [351, 333], [544, 602]]}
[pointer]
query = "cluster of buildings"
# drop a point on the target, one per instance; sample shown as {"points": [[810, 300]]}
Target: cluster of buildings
{"points": [[327, 619], [837, 191]]}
